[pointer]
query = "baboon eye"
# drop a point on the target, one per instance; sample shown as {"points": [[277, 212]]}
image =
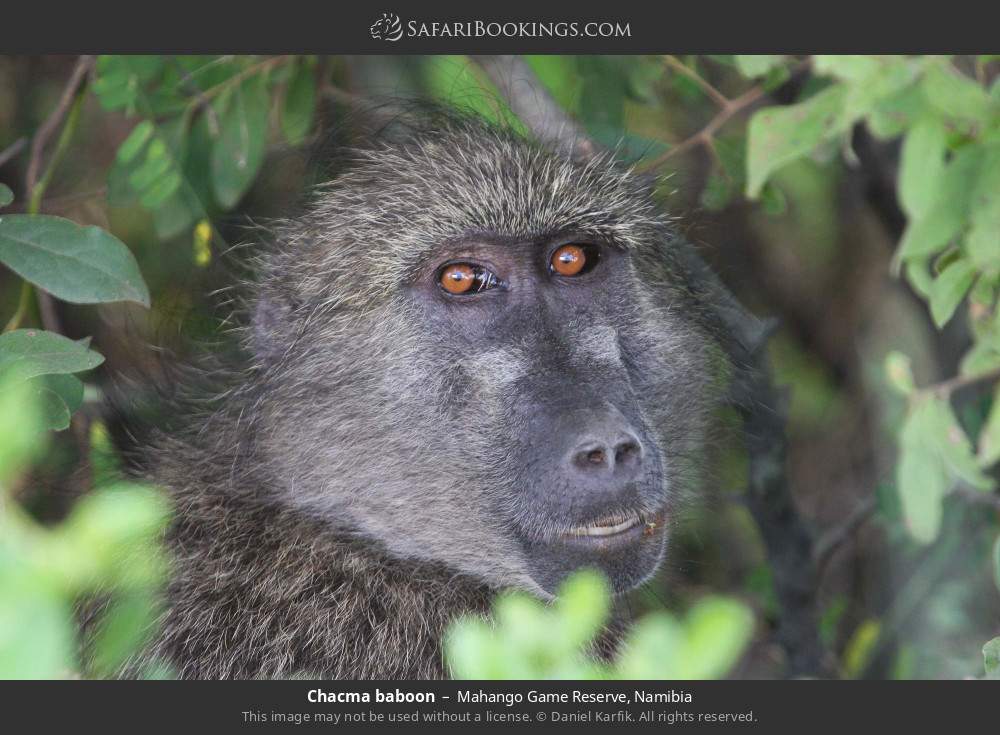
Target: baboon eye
{"points": [[572, 260], [466, 278]]}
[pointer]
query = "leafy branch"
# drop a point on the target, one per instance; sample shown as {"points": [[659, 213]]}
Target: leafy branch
{"points": [[68, 108], [728, 109]]}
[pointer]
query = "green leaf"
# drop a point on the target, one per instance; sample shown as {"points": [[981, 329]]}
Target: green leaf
{"points": [[115, 530], [869, 79], [989, 438], [716, 630], [120, 79], [892, 115], [918, 274], [60, 396], [921, 163], [157, 177], [583, 605], [239, 152], [991, 659], [20, 424], [922, 485], [192, 152], [6, 195], [858, 651], [124, 627], [135, 141], [949, 289], [779, 135], [900, 372], [756, 65], [955, 95], [36, 628], [27, 353], [162, 190], [299, 104], [983, 241], [922, 480], [650, 649], [946, 215], [952, 445], [82, 265], [850, 67], [153, 167], [982, 357]]}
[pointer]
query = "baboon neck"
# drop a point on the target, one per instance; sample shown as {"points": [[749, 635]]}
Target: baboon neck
{"points": [[264, 591]]}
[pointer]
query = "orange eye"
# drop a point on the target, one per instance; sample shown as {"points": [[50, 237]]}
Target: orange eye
{"points": [[467, 278], [458, 278], [569, 260]]}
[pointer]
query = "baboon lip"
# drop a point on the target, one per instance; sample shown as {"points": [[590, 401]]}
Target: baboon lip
{"points": [[634, 526], [605, 528]]}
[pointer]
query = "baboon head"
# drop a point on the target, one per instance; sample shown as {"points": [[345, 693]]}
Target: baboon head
{"points": [[476, 351]]}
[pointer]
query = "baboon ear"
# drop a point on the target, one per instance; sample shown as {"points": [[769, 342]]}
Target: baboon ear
{"points": [[270, 327]]}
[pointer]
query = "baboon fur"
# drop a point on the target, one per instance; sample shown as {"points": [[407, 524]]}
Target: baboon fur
{"points": [[349, 488]]}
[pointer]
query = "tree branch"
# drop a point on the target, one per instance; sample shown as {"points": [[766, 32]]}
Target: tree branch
{"points": [[534, 106]]}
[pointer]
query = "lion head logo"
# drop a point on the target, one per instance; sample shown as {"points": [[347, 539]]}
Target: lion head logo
{"points": [[387, 28]]}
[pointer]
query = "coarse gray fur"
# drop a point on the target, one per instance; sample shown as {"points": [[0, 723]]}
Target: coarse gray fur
{"points": [[352, 487]]}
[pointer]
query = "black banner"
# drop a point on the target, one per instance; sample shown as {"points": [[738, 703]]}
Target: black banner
{"points": [[438, 27], [754, 706]]}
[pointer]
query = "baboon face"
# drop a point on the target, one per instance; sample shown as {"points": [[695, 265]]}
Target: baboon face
{"points": [[478, 353]]}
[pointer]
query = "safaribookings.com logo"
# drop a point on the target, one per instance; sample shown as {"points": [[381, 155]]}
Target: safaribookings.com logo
{"points": [[390, 28], [387, 28]]}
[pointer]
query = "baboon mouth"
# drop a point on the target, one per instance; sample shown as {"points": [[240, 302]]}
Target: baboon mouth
{"points": [[606, 528], [615, 529]]}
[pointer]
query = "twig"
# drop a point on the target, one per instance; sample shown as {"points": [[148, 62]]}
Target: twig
{"points": [[946, 387], [55, 118], [12, 150], [977, 497], [828, 544], [677, 65], [203, 98]]}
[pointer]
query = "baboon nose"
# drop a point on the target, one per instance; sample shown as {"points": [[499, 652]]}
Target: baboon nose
{"points": [[597, 456], [607, 445]]}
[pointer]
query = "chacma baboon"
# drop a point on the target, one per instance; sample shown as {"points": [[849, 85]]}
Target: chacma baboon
{"points": [[475, 363]]}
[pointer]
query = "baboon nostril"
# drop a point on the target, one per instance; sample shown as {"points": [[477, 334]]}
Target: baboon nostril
{"points": [[592, 457], [627, 451]]}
